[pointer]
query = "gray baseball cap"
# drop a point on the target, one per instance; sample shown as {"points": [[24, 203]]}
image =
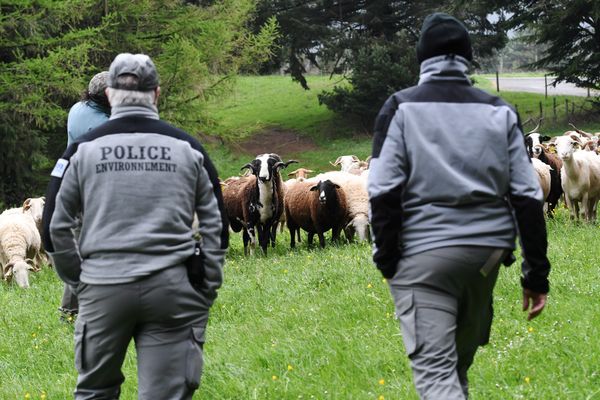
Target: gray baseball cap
{"points": [[138, 65], [98, 83]]}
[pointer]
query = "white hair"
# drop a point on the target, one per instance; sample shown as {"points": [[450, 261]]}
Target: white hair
{"points": [[120, 97]]}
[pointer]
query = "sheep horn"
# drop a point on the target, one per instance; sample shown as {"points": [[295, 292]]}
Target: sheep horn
{"points": [[247, 166], [536, 128], [584, 133], [289, 162]]}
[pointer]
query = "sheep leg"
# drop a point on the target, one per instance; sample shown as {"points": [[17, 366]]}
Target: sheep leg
{"points": [[246, 239], [274, 233], [292, 237], [264, 235], [321, 239], [310, 238]]}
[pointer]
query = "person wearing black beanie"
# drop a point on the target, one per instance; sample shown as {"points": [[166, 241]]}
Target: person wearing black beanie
{"points": [[443, 34], [450, 186]]}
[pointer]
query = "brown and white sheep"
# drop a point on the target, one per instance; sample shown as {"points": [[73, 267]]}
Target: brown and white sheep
{"points": [[357, 199], [255, 203]]}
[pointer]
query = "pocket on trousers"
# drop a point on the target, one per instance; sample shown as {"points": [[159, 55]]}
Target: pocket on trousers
{"points": [[406, 312], [80, 332], [486, 327], [194, 362]]}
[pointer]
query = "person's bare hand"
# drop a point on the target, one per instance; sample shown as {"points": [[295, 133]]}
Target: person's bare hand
{"points": [[537, 302]]}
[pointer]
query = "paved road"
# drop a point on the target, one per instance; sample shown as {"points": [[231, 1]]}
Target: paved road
{"points": [[536, 85]]}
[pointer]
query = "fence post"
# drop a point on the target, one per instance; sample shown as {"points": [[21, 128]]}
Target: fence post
{"points": [[588, 92], [567, 109], [545, 86], [554, 107], [541, 110], [497, 81]]}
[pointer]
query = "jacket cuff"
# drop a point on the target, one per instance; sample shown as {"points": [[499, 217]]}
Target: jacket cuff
{"points": [[67, 264], [388, 269], [540, 285]]}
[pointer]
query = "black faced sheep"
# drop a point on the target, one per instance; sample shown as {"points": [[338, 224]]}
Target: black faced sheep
{"points": [[316, 208]]}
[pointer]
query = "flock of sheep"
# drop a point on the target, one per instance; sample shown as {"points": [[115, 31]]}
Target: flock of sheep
{"points": [[568, 166], [261, 202]]}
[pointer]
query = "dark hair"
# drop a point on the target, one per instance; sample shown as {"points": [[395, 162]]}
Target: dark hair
{"points": [[99, 98]]}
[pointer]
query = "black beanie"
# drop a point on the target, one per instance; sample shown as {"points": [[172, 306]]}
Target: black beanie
{"points": [[443, 34]]}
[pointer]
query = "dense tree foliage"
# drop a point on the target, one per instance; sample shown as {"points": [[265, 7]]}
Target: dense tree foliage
{"points": [[50, 49], [570, 30], [373, 41]]}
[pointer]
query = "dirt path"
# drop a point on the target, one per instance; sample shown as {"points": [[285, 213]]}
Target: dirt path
{"points": [[275, 140]]}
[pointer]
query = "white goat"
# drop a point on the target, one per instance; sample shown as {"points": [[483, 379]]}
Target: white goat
{"points": [[580, 176]]}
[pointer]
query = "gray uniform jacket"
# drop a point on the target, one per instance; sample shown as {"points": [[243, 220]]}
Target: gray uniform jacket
{"points": [[137, 182], [450, 168]]}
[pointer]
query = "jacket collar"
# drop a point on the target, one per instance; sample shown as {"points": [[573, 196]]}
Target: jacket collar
{"points": [[134, 111], [445, 68]]}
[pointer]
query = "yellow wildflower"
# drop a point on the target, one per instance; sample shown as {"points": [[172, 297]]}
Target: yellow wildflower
{"points": [[369, 286], [530, 329], [27, 395], [274, 377], [290, 367], [527, 380], [381, 398], [382, 381]]}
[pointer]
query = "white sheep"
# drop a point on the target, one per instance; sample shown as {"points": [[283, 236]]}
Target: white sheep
{"points": [[346, 162], [580, 176], [20, 241], [357, 198], [543, 172]]}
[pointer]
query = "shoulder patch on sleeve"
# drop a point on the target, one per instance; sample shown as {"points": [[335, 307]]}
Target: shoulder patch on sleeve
{"points": [[60, 168]]}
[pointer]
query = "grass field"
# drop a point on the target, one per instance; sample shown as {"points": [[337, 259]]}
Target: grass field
{"points": [[319, 324]]}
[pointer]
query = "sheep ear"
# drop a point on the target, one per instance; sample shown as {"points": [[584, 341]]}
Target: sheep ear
{"points": [[26, 204], [545, 138], [576, 138], [312, 189], [31, 265], [336, 185], [8, 271], [337, 161], [355, 158]]}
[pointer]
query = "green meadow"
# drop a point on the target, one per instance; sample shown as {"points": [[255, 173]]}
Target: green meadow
{"points": [[314, 323]]}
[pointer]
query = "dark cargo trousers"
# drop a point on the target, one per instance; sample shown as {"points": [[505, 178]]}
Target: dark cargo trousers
{"points": [[166, 318], [444, 304]]}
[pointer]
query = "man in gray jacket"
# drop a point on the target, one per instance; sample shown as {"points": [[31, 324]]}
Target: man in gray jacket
{"points": [[137, 182], [450, 186]]}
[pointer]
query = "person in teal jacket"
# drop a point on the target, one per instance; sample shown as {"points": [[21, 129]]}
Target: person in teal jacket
{"points": [[91, 111]]}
